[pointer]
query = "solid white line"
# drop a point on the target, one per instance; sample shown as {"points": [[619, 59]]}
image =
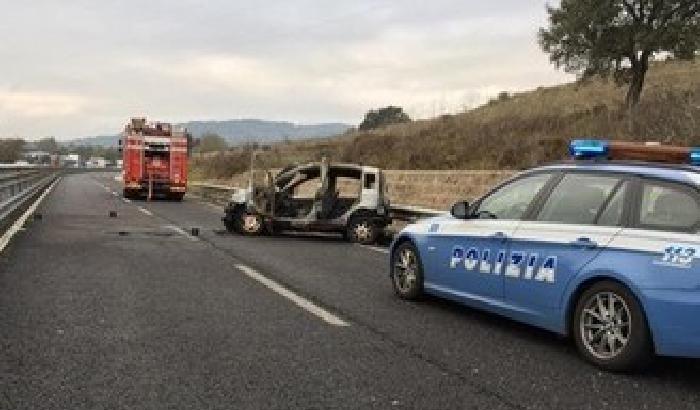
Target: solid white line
{"points": [[374, 248], [17, 226], [300, 301], [145, 211]]}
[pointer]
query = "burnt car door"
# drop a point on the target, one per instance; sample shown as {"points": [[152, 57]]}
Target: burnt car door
{"points": [[296, 192]]}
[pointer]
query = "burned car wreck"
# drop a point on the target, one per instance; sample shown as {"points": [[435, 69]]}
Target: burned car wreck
{"points": [[321, 197]]}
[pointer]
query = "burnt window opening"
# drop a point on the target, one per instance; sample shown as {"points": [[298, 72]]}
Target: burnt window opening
{"points": [[370, 181]]}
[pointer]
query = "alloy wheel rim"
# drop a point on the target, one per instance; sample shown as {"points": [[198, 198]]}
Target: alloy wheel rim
{"points": [[405, 269], [606, 325]]}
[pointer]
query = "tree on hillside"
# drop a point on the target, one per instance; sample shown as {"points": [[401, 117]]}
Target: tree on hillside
{"points": [[383, 116], [620, 37], [11, 150], [211, 142]]}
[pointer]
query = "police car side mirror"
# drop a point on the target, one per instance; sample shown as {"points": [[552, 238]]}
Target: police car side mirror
{"points": [[460, 210]]}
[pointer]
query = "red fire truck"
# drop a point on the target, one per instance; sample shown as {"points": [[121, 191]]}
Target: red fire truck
{"points": [[155, 160]]}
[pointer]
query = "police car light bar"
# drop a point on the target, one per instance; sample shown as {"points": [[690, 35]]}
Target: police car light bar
{"points": [[635, 151], [588, 149], [695, 156]]}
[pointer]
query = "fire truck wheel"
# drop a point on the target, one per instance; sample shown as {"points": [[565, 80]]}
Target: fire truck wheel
{"points": [[177, 196], [251, 224]]}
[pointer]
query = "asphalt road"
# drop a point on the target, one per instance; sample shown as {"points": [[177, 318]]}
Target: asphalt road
{"points": [[133, 312]]}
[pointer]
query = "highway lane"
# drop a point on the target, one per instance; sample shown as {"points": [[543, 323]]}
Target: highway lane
{"points": [[521, 364], [524, 366], [179, 327], [126, 312]]}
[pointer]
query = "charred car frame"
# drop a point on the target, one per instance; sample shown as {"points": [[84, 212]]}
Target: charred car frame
{"points": [[360, 213]]}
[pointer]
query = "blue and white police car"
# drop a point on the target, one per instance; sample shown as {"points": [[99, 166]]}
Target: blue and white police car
{"points": [[601, 249]]}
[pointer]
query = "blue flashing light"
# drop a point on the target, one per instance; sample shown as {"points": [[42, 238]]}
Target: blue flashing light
{"points": [[590, 148], [695, 156]]}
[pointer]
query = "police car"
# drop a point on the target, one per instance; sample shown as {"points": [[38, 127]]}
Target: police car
{"points": [[604, 248]]}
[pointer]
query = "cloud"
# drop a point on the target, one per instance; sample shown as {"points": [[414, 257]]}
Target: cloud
{"points": [[299, 60], [33, 105]]}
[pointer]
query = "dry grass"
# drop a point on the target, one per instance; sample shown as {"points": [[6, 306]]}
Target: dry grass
{"points": [[523, 130]]}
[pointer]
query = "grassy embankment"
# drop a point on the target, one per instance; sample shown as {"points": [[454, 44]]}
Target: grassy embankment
{"points": [[520, 131]]}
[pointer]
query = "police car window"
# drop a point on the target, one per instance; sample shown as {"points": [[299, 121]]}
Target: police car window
{"points": [[612, 214], [512, 201], [668, 207], [578, 199]]}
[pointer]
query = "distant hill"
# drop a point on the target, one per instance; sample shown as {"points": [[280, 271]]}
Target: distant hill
{"points": [[526, 129], [241, 131], [247, 130], [106, 141]]}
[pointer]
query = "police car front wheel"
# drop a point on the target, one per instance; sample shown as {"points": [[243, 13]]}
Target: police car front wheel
{"points": [[610, 328], [407, 272]]}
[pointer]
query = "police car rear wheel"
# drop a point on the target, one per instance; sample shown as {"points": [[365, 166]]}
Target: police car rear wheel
{"points": [[610, 328], [407, 272]]}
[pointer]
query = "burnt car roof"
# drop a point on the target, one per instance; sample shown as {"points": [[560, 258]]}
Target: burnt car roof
{"points": [[349, 170]]}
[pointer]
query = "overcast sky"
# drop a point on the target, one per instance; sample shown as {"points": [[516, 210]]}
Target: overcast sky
{"points": [[74, 68]]}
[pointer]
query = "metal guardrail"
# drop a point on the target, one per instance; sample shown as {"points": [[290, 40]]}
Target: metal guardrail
{"points": [[399, 211], [217, 194], [18, 186]]}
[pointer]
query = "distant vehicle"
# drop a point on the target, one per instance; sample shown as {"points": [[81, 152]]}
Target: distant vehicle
{"points": [[69, 160], [96, 162], [603, 250], [344, 198], [154, 160]]}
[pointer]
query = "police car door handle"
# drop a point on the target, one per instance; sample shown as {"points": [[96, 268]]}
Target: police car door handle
{"points": [[585, 243]]}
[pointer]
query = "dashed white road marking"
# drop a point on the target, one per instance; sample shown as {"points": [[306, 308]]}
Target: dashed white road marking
{"points": [[145, 211], [374, 248], [115, 193], [300, 301], [126, 200], [17, 226]]}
